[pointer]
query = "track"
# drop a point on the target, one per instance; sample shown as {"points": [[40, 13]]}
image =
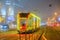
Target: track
{"points": [[52, 34], [32, 36]]}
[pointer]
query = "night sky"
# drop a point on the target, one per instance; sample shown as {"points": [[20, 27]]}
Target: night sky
{"points": [[42, 8]]}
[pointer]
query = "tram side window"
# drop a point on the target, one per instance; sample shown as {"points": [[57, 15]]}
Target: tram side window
{"points": [[35, 22], [30, 22]]}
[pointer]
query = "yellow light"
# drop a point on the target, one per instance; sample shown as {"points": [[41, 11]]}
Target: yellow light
{"points": [[1, 19]]}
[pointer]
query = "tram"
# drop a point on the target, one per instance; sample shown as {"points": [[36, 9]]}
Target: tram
{"points": [[27, 22]]}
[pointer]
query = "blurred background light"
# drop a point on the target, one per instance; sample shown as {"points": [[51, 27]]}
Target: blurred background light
{"points": [[59, 19]]}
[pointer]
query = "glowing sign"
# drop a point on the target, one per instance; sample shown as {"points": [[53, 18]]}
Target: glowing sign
{"points": [[10, 18]]}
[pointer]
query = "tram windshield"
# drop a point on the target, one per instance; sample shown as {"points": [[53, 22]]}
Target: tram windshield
{"points": [[23, 22]]}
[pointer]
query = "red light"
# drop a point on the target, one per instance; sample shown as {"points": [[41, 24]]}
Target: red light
{"points": [[23, 27]]}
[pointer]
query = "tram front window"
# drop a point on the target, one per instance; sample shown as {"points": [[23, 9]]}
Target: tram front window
{"points": [[23, 24]]}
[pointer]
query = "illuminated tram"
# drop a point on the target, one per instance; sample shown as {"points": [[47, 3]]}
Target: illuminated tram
{"points": [[27, 22]]}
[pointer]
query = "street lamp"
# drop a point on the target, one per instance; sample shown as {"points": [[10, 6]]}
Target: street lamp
{"points": [[55, 14]]}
